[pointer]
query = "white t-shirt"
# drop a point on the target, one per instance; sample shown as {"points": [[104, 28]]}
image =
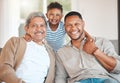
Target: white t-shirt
{"points": [[35, 64]]}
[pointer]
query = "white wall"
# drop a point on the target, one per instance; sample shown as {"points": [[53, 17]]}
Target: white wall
{"points": [[100, 17], [9, 19]]}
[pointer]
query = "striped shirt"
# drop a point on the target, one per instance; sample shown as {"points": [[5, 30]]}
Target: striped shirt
{"points": [[56, 39]]}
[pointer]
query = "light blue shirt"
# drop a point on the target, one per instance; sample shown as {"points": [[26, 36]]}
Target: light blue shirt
{"points": [[56, 39]]}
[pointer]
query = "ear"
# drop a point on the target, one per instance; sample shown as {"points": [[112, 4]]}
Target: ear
{"points": [[83, 23], [46, 15], [61, 16], [26, 28]]}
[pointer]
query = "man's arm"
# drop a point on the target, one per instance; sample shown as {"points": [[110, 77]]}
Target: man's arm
{"points": [[108, 62], [7, 74], [7, 61]]}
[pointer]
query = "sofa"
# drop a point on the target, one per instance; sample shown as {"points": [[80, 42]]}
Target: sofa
{"points": [[115, 43], [0, 49]]}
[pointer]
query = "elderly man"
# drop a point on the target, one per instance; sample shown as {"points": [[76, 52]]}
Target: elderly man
{"points": [[25, 60]]}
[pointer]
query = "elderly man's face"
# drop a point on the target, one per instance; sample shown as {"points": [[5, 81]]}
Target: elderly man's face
{"points": [[37, 29]]}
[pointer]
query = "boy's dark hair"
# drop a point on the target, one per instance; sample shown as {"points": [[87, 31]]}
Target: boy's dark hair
{"points": [[73, 13], [55, 5]]}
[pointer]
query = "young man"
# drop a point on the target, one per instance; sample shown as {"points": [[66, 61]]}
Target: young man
{"points": [[85, 59], [29, 59], [55, 27]]}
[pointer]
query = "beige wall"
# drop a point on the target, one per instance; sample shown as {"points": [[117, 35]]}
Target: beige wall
{"points": [[100, 16], [9, 19]]}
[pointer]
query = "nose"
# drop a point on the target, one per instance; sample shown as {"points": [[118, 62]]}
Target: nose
{"points": [[54, 16], [73, 27], [39, 28]]}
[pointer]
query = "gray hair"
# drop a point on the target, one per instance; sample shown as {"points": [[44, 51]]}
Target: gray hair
{"points": [[33, 15]]}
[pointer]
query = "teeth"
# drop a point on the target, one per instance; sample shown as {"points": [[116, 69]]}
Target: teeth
{"points": [[54, 21], [74, 32], [39, 33]]}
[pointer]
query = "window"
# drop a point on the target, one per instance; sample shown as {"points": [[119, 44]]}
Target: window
{"points": [[28, 6]]}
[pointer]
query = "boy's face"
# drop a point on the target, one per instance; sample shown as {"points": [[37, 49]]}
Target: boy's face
{"points": [[54, 16]]}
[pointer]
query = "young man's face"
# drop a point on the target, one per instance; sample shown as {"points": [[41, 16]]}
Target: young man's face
{"points": [[37, 29], [54, 16], [74, 27]]}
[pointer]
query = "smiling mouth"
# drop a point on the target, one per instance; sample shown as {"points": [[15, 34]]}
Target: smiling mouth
{"points": [[54, 21], [39, 32], [74, 32]]}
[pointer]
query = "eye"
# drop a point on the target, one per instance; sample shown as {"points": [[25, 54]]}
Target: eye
{"points": [[58, 15], [69, 25], [34, 25], [78, 24], [51, 15], [42, 25]]}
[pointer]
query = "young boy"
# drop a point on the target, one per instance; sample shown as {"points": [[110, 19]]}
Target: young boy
{"points": [[55, 27]]}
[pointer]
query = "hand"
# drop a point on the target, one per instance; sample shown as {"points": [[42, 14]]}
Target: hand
{"points": [[27, 37], [89, 46]]}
